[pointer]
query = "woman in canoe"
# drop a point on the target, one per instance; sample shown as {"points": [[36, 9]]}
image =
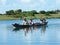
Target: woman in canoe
{"points": [[25, 22]]}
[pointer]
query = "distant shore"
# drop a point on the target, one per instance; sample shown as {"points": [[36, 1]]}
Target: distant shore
{"points": [[37, 16]]}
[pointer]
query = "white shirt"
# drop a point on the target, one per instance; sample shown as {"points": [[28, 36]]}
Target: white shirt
{"points": [[24, 23]]}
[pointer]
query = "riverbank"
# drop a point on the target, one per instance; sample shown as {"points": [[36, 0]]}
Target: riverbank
{"points": [[36, 16], [5, 17], [47, 16]]}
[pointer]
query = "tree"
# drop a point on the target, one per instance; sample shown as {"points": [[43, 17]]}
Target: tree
{"points": [[10, 12], [19, 11], [42, 12], [51, 12], [29, 13], [34, 11], [7, 12], [57, 11]]}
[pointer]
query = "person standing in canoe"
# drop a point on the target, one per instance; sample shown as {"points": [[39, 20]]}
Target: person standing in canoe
{"points": [[25, 22], [43, 20]]}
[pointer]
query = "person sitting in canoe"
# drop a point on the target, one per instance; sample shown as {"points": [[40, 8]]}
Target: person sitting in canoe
{"points": [[43, 20], [31, 22], [25, 22]]}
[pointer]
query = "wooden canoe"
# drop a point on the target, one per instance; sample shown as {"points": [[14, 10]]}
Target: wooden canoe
{"points": [[26, 26]]}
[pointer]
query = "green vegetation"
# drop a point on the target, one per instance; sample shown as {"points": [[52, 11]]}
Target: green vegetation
{"points": [[48, 16], [5, 17], [19, 14]]}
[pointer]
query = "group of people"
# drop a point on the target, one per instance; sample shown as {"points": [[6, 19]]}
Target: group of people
{"points": [[25, 22]]}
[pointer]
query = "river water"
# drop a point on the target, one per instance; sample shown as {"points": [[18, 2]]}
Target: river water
{"points": [[44, 35]]}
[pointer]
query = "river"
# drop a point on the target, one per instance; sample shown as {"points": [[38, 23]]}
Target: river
{"points": [[44, 35]]}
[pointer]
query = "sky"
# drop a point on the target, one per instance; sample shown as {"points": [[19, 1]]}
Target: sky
{"points": [[28, 5]]}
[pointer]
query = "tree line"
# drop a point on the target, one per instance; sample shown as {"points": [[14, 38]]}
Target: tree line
{"points": [[20, 13]]}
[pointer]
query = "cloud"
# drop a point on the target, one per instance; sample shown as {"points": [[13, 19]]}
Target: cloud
{"points": [[25, 1], [3, 2]]}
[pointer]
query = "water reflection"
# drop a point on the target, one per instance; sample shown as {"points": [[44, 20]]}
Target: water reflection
{"points": [[26, 30], [43, 29], [42, 35], [31, 29]]}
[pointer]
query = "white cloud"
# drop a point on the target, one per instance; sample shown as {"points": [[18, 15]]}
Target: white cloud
{"points": [[3, 2], [26, 1]]}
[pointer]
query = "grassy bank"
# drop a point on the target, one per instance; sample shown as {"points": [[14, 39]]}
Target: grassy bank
{"points": [[37, 16], [47, 16], [5, 17]]}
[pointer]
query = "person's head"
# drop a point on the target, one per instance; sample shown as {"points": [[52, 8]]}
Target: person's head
{"points": [[25, 19], [43, 17]]}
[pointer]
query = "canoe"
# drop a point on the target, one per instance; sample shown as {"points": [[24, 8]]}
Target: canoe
{"points": [[27, 26]]}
